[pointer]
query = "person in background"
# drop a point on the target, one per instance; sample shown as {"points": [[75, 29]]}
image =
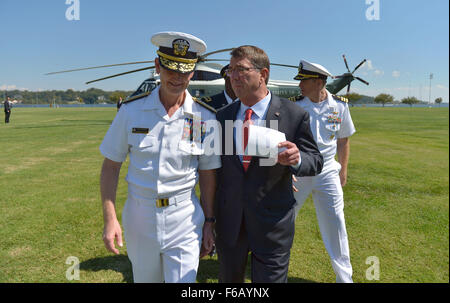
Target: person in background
{"points": [[7, 105], [331, 125], [224, 98]]}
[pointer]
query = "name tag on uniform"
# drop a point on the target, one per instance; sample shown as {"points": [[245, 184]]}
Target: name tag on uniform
{"points": [[139, 130]]}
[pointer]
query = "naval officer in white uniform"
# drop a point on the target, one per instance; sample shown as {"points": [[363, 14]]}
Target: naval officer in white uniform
{"points": [[331, 125], [162, 133]]}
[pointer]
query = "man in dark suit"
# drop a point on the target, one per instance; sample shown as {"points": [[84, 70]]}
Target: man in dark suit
{"points": [[7, 108], [254, 203], [224, 98]]}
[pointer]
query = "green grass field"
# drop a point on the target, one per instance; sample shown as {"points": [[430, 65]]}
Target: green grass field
{"points": [[396, 199]]}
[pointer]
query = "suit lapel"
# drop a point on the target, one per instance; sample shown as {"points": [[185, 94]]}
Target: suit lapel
{"points": [[232, 117], [274, 112]]}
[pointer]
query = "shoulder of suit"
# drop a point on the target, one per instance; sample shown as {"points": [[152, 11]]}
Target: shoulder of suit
{"points": [[339, 98], [204, 104], [137, 97], [296, 98]]}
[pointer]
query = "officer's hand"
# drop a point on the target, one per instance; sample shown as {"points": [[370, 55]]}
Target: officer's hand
{"points": [[294, 179], [111, 232], [290, 156], [208, 240], [343, 177]]}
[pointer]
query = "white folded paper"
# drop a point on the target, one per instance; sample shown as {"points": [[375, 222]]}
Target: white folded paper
{"points": [[263, 142]]}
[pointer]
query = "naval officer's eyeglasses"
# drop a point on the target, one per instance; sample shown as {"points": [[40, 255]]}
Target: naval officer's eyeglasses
{"points": [[241, 70]]}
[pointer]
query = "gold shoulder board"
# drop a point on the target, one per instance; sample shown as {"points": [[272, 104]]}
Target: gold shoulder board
{"points": [[339, 98], [206, 99], [134, 98], [296, 98], [208, 107]]}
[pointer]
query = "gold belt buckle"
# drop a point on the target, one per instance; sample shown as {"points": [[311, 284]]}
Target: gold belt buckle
{"points": [[162, 202]]}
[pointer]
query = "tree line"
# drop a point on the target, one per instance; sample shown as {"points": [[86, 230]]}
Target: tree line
{"points": [[96, 96], [389, 99], [90, 96]]}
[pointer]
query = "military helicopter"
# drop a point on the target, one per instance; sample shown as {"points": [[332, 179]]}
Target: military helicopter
{"points": [[207, 80]]}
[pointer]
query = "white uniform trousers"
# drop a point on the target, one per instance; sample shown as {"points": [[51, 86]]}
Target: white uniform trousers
{"points": [[328, 200], [163, 244]]}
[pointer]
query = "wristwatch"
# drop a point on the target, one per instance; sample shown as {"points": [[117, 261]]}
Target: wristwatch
{"points": [[210, 219]]}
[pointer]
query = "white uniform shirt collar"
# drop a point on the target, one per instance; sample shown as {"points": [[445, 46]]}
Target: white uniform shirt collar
{"points": [[153, 102], [229, 100], [260, 108], [331, 101], [322, 107]]}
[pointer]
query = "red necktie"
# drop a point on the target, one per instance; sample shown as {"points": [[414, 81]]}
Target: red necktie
{"points": [[248, 120]]}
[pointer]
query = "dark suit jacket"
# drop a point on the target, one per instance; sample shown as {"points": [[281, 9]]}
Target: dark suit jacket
{"points": [[263, 195], [217, 101], [7, 106]]}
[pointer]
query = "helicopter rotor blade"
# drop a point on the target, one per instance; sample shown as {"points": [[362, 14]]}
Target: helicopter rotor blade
{"points": [[121, 74], [220, 60], [101, 66], [346, 65], [348, 88], [202, 57], [362, 62], [363, 81], [285, 65]]}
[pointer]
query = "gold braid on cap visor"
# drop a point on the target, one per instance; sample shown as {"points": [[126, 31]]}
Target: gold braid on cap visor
{"points": [[307, 76], [182, 65]]}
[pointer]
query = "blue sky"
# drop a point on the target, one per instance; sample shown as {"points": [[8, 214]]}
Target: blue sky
{"points": [[407, 43]]}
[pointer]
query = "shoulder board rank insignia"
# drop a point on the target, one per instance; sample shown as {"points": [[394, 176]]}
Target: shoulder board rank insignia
{"points": [[296, 98], [202, 103], [206, 99], [134, 98], [339, 98]]}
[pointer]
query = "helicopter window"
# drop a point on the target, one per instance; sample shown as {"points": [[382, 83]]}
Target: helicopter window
{"points": [[205, 76]]}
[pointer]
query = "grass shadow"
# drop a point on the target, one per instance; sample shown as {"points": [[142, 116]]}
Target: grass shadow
{"points": [[119, 263], [208, 272], [299, 280]]}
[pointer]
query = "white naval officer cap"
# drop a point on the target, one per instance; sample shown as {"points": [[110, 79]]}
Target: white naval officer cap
{"points": [[308, 70], [178, 51]]}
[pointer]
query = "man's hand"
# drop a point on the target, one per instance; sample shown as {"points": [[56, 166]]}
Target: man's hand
{"points": [[208, 239], [111, 232], [290, 156], [343, 153], [343, 177]]}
